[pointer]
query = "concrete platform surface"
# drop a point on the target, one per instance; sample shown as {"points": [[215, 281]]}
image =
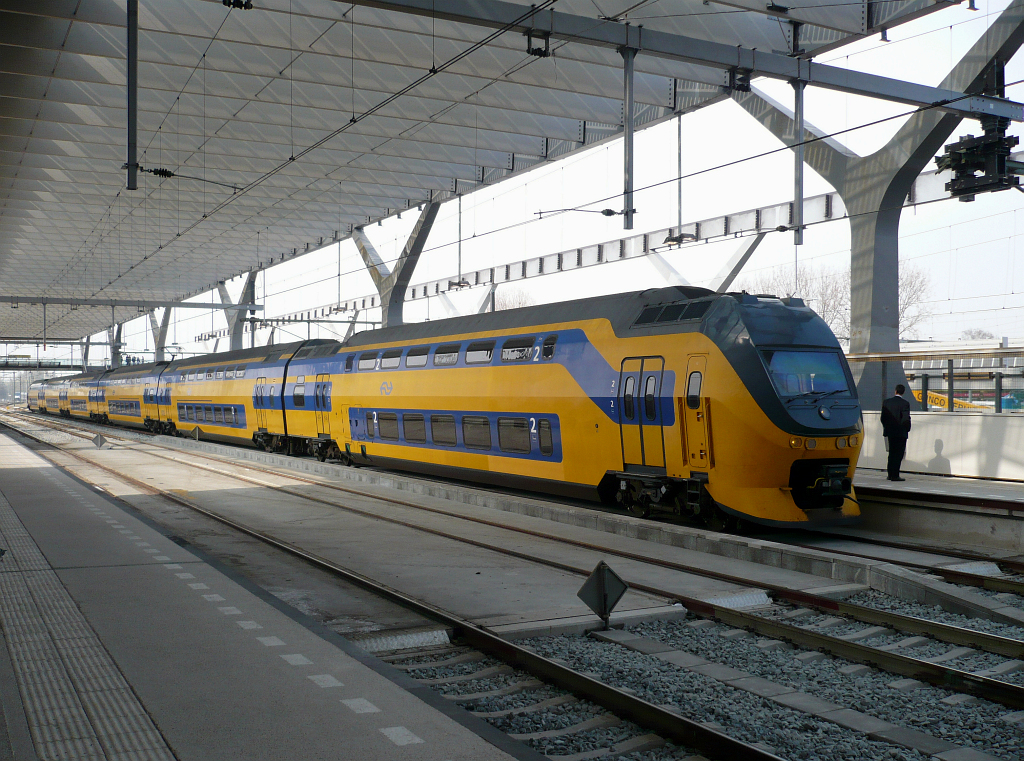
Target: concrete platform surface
{"points": [[120, 644], [980, 492]]}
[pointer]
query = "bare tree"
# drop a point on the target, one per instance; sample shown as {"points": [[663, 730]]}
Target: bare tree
{"points": [[827, 292], [975, 334], [511, 298], [915, 284]]}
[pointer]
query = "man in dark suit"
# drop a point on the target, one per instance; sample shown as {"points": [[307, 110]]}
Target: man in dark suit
{"points": [[896, 429]]}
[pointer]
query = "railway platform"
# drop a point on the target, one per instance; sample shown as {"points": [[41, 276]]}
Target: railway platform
{"points": [[967, 512], [120, 644]]}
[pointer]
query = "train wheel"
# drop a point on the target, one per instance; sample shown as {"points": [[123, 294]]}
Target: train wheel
{"points": [[716, 520], [640, 508]]}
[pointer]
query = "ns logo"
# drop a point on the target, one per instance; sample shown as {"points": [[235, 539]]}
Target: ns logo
{"points": [[386, 388]]}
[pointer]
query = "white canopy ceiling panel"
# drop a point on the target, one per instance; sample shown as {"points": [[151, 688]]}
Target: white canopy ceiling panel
{"points": [[227, 97]]}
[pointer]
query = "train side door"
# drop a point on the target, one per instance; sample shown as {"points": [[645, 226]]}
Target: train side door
{"points": [[322, 404], [629, 412], [695, 410], [259, 402], [149, 410], [650, 412]]}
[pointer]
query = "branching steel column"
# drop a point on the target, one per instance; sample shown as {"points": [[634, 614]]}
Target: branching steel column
{"points": [[628, 57], [390, 284], [798, 164], [159, 331], [133, 94]]}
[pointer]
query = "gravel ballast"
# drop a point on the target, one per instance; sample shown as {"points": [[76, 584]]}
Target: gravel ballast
{"points": [[740, 714]]}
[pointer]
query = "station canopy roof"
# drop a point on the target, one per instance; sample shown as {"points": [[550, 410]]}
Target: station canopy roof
{"points": [[288, 123]]}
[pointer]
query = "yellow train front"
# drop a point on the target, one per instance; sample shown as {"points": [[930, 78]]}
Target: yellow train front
{"points": [[725, 407]]}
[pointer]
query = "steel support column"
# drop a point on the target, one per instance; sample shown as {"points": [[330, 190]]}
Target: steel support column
{"points": [[874, 188], [133, 94], [115, 346], [628, 110], [392, 284], [236, 317], [159, 330], [798, 163]]}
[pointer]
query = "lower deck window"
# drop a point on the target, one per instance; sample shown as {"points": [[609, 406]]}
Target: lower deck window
{"points": [[415, 428], [370, 417], [514, 435], [229, 414], [387, 424], [191, 412], [544, 432], [476, 432], [181, 412], [442, 430], [209, 414], [218, 414]]}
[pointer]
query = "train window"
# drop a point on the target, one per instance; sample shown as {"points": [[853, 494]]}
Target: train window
{"points": [[229, 415], [348, 362], [650, 405], [517, 349], [628, 392], [417, 356], [544, 432], [415, 428], [649, 315], [218, 414], [693, 390], [672, 312], [299, 393], [219, 374], [514, 434], [190, 413], [370, 417], [442, 430], [240, 372], [480, 353], [391, 359], [209, 374], [209, 414], [548, 350], [229, 373], [368, 361], [447, 355], [192, 376], [387, 425], [696, 310], [476, 432]]}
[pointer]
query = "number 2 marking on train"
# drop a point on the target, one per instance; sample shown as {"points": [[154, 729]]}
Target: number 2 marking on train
{"points": [[375, 418], [536, 353], [533, 425]]}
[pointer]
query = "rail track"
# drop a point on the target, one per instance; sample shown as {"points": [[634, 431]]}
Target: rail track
{"points": [[774, 627]]}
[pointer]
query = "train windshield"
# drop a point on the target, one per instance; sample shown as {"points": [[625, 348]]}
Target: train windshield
{"points": [[800, 373]]}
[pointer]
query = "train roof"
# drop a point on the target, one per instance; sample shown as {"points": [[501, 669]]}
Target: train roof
{"points": [[766, 320]]}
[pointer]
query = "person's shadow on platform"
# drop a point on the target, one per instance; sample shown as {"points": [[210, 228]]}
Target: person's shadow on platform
{"points": [[939, 464]]}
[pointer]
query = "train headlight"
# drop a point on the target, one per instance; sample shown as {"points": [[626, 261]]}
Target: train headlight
{"points": [[811, 444], [854, 441], [796, 442], [840, 443]]}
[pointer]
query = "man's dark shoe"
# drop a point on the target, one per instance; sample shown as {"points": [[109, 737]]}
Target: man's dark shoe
{"points": [[897, 479]]}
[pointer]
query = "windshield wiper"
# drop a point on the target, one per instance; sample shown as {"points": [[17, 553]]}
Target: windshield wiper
{"points": [[805, 394]]}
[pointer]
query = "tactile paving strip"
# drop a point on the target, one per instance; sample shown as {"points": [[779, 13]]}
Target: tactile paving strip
{"points": [[77, 702]]}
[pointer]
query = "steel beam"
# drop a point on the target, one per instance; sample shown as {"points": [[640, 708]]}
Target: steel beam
{"points": [[735, 265], [132, 164], [628, 58], [143, 304], [798, 164], [677, 47]]}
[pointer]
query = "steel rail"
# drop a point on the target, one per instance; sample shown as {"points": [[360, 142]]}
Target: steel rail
{"points": [[673, 726], [937, 674]]}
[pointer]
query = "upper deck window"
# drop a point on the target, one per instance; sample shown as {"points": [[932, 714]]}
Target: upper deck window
{"points": [[517, 349], [391, 359], [446, 355], [548, 349], [799, 373], [368, 361], [696, 309], [480, 353], [417, 356]]}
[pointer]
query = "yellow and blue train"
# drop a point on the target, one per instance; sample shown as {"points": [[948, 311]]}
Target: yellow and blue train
{"points": [[727, 407]]}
